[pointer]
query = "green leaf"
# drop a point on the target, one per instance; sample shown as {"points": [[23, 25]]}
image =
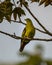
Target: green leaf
{"points": [[18, 11], [15, 16], [8, 18], [26, 3], [7, 0], [41, 2], [21, 2], [35, 0], [6, 9], [47, 2], [1, 20], [1, 17]]}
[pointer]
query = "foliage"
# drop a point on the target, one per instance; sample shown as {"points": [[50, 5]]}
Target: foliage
{"points": [[45, 2], [49, 62], [33, 60], [18, 11], [36, 58], [6, 8]]}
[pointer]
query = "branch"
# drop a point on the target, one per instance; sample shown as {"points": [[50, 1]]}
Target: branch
{"points": [[41, 31], [37, 20], [25, 24], [18, 22], [17, 37], [14, 3]]}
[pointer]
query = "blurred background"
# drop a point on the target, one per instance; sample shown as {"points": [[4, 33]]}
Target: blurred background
{"points": [[36, 52]]}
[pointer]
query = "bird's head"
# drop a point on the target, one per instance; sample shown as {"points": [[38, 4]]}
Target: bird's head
{"points": [[28, 20]]}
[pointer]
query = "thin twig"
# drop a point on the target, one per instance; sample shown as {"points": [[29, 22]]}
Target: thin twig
{"points": [[37, 20], [17, 37], [18, 22], [41, 31], [14, 3], [25, 24]]}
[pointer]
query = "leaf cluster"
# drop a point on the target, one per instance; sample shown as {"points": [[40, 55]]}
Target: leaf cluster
{"points": [[45, 2], [35, 59], [18, 11], [6, 8]]}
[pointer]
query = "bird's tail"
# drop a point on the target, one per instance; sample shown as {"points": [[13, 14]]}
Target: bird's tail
{"points": [[21, 47]]}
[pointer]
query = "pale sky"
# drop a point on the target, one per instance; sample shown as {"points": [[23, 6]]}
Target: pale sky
{"points": [[9, 47]]}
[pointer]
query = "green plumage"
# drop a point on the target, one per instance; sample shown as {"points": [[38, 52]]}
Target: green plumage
{"points": [[28, 32]]}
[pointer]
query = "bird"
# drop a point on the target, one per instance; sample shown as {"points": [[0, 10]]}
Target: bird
{"points": [[28, 32]]}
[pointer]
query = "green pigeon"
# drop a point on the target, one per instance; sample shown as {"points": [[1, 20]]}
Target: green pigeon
{"points": [[28, 32]]}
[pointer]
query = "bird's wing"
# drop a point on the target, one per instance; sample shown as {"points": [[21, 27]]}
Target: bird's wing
{"points": [[31, 34], [24, 31], [23, 43]]}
